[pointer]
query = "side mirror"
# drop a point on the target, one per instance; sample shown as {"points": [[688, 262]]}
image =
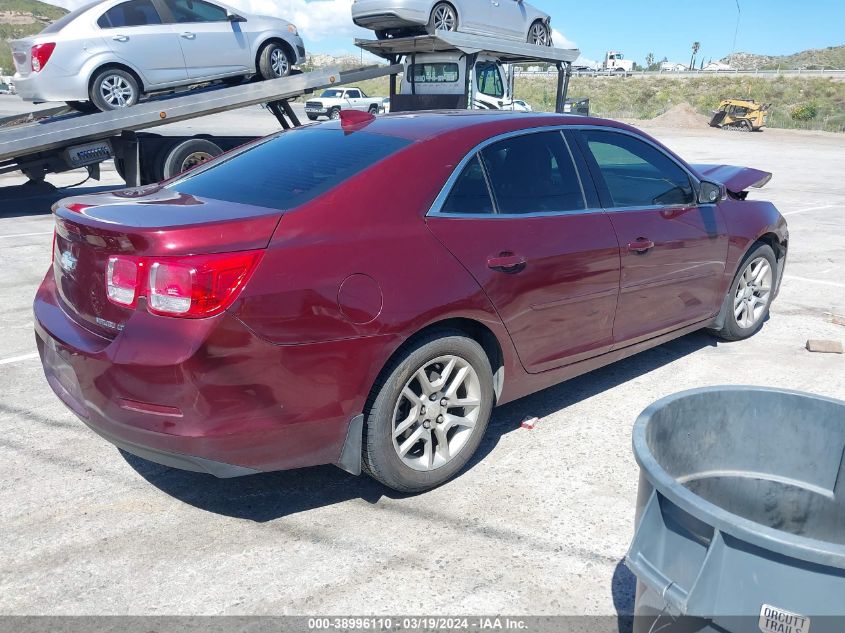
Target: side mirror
{"points": [[711, 193], [234, 17]]}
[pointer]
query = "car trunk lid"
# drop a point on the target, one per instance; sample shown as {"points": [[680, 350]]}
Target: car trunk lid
{"points": [[144, 223]]}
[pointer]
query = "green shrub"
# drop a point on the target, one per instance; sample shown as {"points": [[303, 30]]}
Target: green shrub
{"points": [[804, 112]]}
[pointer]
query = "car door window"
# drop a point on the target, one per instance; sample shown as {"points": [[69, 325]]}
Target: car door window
{"points": [[186, 11], [489, 80], [133, 13], [470, 193], [636, 173], [533, 173], [353, 94]]}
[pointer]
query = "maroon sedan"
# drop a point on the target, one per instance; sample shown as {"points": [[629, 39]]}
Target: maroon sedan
{"points": [[364, 292]]}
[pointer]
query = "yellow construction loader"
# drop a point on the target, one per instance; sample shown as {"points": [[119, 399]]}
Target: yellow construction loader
{"points": [[744, 115]]}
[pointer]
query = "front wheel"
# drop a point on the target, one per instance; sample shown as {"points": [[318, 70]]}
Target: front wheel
{"points": [[274, 62], [750, 295], [334, 114], [428, 415]]}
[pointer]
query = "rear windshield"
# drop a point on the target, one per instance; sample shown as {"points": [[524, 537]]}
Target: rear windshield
{"points": [[66, 19], [290, 169]]}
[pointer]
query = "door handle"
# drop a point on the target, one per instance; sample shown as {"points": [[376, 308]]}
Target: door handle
{"points": [[121, 38], [641, 245], [506, 263], [188, 35]]}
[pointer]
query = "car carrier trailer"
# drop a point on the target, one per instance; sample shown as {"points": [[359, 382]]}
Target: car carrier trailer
{"points": [[54, 141]]}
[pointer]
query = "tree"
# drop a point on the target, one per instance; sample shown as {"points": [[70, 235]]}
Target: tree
{"points": [[649, 61], [696, 46]]}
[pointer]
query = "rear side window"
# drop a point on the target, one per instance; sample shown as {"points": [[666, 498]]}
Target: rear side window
{"points": [[132, 13], [353, 94], [533, 173], [470, 193], [636, 173], [290, 169], [185, 11]]}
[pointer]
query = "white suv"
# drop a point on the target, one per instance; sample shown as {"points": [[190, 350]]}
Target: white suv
{"points": [[108, 54]]}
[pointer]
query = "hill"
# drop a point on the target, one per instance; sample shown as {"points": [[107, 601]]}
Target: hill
{"points": [[813, 59], [22, 18]]}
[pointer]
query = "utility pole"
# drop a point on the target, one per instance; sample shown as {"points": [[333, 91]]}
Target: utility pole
{"points": [[736, 32]]}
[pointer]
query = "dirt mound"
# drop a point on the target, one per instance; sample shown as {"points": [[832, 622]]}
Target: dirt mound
{"points": [[681, 115]]}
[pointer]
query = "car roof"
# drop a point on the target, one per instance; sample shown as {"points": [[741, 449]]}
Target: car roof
{"points": [[424, 125]]}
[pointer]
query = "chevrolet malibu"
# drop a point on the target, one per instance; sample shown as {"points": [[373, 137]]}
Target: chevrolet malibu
{"points": [[363, 292], [108, 54], [511, 19]]}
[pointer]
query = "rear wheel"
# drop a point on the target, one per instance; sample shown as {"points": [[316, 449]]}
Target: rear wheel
{"points": [[373, 109], [114, 88], [274, 62], [750, 295], [428, 415], [539, 34], [444, 17]]}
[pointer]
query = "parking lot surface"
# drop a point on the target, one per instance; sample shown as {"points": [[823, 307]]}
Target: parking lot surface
{"points": [[537, 525]]}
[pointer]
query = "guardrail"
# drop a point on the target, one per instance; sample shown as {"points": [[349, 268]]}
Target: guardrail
{"points": [[691, 73]]}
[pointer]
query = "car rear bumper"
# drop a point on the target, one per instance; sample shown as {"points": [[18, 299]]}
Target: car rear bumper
{"points": [[379, 15], [212, 398], [46, 86]]}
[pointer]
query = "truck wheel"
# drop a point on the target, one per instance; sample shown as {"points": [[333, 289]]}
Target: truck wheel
{"points": [[113, 88], [334, 114], [443, 18], [312, 117], [187, 155], [373, 109], [428, 412], [273, 62]]}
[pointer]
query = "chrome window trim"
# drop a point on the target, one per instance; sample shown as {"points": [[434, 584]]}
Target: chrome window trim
{"points": [[440, 200]]}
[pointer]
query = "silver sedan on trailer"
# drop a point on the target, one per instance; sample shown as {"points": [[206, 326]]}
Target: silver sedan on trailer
{"points": [[511, 19], [106, 55]]}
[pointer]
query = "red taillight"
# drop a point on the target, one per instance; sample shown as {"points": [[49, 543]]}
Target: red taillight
{"points": [[194, 286], [40, 55]]}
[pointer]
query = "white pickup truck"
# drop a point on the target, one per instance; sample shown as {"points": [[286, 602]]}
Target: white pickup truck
{"points": [[333, 100]]}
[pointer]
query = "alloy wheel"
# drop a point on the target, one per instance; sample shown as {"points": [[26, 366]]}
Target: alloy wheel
{"points": [[753, 293], [444, 18], [116, 91], [279, 63], [436, 413], [539, 35]]}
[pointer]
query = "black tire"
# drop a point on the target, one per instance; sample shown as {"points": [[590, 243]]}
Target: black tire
{"points": [[187, 155], [732, 330], [334, 114], [99, 91], [431, 28], [380, 458], [546, 28], [382, 35], [274, 61], [85, 107], [312, 117], [373, 109]]}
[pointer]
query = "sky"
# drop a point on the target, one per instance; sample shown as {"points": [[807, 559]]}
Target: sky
{"points": [[666, 28]]}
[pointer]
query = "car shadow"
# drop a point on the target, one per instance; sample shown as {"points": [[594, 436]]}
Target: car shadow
{"points": [[270, 496], [33, 199]]}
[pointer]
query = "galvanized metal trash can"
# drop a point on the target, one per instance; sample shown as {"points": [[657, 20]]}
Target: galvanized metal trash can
{"points": [[741, 513]]}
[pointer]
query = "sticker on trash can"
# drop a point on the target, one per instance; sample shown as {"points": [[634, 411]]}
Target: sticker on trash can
{"points": [[775, 620]]}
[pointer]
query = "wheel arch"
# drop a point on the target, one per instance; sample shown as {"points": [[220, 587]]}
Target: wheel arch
{"points": [[473, 329], [274, 39]]}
